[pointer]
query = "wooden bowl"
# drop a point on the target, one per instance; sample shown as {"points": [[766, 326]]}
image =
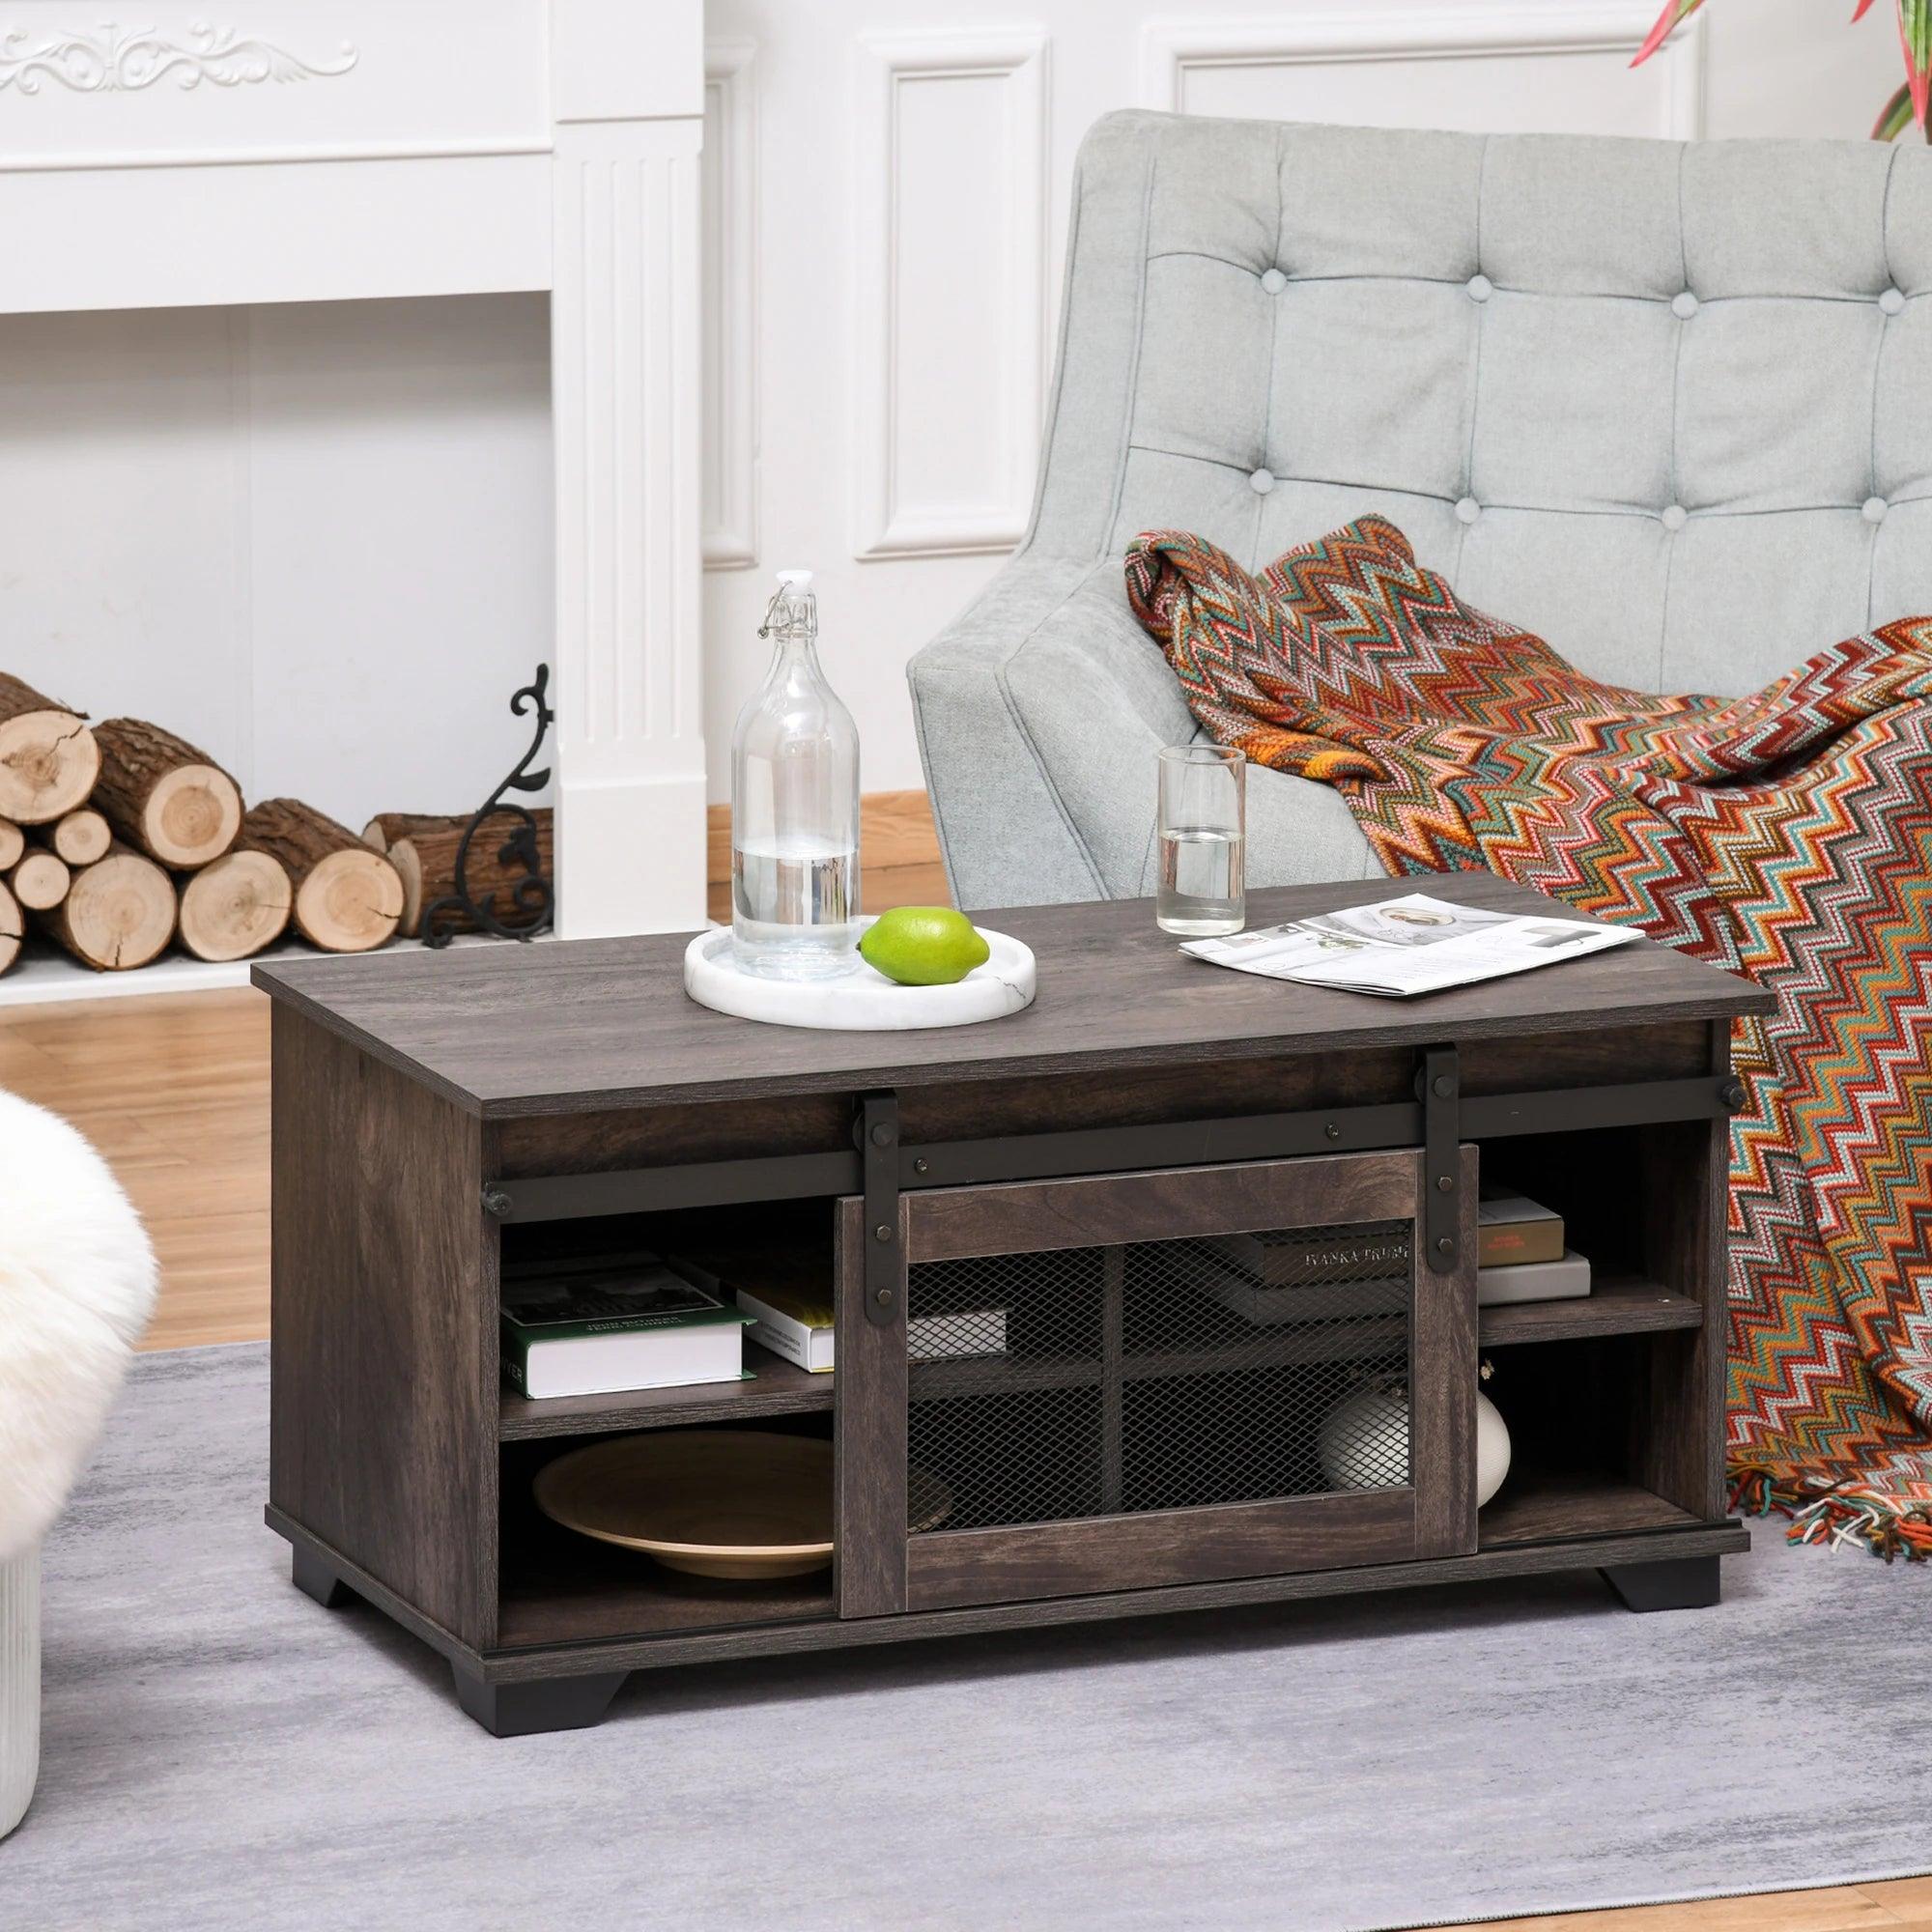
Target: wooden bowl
{"points": [[713, 1502]]}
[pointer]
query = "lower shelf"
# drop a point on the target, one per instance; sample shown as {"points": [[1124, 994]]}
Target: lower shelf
{"points": [[1546, 1507], [562, 1588]]}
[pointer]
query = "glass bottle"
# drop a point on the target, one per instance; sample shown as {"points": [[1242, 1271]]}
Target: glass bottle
{"points": [[794, 806]]}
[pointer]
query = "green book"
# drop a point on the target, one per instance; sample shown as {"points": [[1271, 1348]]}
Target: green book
{"points": [[600, 1329]]}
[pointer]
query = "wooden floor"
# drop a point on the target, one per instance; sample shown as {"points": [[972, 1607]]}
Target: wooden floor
{"points": [[174, 1091]]}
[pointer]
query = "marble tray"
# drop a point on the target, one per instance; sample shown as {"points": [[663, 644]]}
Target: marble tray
{"points": [[861, 1001]]}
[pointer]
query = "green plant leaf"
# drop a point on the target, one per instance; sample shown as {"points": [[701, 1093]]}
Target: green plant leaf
{"points": [[1915, 37], [1677, 12], [1895, 117]]}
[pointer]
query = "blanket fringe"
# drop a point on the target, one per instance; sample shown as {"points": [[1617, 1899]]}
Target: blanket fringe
{"points": [[1835, 1510]]}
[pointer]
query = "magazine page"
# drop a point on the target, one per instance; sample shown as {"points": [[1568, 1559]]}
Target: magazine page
{"points": [[1398, 947]]}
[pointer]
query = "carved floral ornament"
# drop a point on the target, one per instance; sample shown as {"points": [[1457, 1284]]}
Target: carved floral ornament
{"points": [[110, 61]]}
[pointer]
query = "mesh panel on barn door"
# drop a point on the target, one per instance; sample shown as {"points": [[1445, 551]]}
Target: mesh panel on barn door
{"points": [[1160, 1375]]}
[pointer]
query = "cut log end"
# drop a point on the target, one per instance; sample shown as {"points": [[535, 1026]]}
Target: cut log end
{"points": [[40, 881], [11, 928], [351, 901], [191, 817], [347, 897], [13, 843], [81, 837], [48, 763], [118, 914], [409, 868], [162, 795], [235, 907]]}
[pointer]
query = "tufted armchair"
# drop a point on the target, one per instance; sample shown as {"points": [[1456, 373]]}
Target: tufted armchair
{"points": [[1668, 405]]}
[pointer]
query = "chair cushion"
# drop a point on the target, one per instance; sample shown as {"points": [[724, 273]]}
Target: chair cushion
{"points": [[1668, 403]]}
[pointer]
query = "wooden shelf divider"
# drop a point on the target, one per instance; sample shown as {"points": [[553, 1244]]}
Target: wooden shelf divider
{"points": [[778, 1388], [1620, 1304], [1617, 1304]]}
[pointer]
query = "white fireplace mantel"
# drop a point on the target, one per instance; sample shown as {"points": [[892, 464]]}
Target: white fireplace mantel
{"points": [[272, 151]]}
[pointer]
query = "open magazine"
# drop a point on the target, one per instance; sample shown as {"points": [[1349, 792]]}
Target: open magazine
{"points": [[1403, 947]]}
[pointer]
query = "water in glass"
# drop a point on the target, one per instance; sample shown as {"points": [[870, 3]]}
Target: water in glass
{"points": [[1201, 881], [1202, 826]]}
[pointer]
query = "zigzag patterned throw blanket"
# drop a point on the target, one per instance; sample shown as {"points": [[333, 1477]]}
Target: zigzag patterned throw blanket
{"points": [[1786, 836]]}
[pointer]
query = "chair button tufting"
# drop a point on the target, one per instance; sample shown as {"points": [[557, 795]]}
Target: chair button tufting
{"points": [[1262, 482], [1684, 304], [1274, 281], [1893, 302], [1676, 517], [1468, 510], [1874, 509], [1481, 288]]}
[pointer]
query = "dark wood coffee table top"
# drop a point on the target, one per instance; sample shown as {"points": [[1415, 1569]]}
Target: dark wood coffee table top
{"points": [[570, 1026]]}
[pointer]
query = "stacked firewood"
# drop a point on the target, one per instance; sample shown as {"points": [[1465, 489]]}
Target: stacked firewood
{"points": [[118, 837]]}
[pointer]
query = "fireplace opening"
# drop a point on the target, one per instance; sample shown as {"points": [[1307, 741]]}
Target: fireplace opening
{"points": [[312, 542]]}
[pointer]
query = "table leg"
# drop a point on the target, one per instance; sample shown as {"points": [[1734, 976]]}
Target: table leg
{"points": [[544, 1704], [1679, 1583], [313, 1577]]}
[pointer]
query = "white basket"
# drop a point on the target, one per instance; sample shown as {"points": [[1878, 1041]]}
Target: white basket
{"points": [[19, 1686]]}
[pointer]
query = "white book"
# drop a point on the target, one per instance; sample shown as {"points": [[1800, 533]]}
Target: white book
{"points": [[606, 1364], [624, 1325], [806, 1343], [1534, 1281]]}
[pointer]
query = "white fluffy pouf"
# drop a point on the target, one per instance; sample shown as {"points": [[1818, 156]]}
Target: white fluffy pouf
{"points": [[77, 1288]]}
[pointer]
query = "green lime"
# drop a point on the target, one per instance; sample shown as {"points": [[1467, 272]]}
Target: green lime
{"points": [[924, 946]]}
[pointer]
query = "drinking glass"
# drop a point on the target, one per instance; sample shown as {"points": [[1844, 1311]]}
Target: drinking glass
{"points": [[1203, 836]]}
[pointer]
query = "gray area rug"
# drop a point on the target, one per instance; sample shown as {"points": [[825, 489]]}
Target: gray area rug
{"points": [[224, 1755]]}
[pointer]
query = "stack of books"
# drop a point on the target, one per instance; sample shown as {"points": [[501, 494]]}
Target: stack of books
{"points": [[789, 1304], [1520, 1256], [601, 1327], [1259, 1267]]}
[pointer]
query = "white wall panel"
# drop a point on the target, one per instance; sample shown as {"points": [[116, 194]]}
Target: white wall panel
{"points": [[1479, 68], [950, 185]]}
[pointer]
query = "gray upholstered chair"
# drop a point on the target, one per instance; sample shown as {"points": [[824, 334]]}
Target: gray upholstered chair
{"points": [[1668, 405]]}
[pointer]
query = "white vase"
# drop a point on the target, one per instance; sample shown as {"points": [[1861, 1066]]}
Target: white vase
{"points": [[1363, 1442], [19, 1686]]}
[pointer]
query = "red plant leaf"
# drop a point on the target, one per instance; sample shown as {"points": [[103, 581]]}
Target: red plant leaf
{"points": [[1676, 12]]}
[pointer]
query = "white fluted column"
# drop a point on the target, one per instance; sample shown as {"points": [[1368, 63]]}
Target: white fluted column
{"points": [[19, 1686], [629, 113]]}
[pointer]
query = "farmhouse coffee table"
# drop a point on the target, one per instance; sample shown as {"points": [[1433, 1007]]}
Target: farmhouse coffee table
{"points": [[1117, 1420]]}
